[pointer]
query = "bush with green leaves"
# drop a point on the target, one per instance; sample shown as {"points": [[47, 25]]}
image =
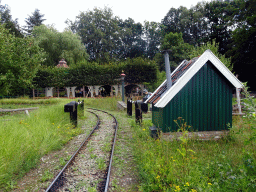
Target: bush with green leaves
{"points": [[137, 70], [20, 59]]}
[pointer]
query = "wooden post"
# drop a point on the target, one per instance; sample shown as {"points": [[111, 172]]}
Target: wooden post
{"points": [[58, 90], [238, 98], [83, 91], [33, 93]]}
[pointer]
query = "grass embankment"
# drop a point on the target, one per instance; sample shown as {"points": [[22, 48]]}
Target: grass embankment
{"points": [[25, 139], [105, 103], [193, 165], [29, 101]]}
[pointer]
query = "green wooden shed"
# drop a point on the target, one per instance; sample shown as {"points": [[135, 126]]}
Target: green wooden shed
{"points": [[201, 93]]}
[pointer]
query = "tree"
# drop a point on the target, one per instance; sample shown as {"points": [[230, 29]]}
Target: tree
{"points": [[99, 32], [19, 61], [179, 50], [218, 15], [214, 47], [178, 21], [8, 22], [132, 45], [244, 43], [152, 32], [36, 19], [59, 45]]}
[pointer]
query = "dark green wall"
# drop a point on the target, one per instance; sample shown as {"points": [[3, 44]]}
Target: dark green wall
{"points": [[205, 103]]}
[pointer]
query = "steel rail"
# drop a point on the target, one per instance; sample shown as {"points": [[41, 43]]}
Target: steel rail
{"points": [[54, 185], [112, 151]]}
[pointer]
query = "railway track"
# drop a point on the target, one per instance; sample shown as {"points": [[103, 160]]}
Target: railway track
{"points": [[89, 167]]}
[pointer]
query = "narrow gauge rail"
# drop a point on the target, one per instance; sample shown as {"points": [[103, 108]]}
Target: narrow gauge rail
{"points": [[61, 179]]}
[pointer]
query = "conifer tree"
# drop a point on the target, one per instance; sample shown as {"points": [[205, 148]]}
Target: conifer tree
{"points": [[36, 19]]}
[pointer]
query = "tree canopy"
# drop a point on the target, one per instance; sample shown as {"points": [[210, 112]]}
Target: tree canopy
{"points": [[20, 59], [107, 37], [98, 39], [7, 21], [59, 45], [36, 19], [137, 70]]}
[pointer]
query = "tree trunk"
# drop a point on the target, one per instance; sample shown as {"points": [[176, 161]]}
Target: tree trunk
{"points": [[33, 93], [58, 90]]}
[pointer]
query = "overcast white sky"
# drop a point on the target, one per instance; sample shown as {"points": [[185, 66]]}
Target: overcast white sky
{"points": [[56, 12]]}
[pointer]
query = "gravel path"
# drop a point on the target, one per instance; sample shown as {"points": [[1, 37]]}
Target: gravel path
{"points": [[89, 168], [52, 163]]}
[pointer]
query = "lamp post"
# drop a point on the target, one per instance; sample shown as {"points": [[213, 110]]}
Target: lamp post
{"points": [[122, 79]]}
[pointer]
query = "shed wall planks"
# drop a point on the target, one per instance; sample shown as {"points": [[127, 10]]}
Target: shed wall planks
{"points": [[205, 103]]}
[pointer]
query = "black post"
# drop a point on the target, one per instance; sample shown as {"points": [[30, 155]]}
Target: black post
{"points": [[82, 104], [144, 107], [73, 114], [129, 107], [138, 113], [72, 108]]}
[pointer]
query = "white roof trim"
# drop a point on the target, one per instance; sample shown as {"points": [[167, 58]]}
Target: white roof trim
{"points": [[163, 82], [182, 81]]}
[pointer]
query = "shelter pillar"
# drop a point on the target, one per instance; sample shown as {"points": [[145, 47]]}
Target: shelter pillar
{"points": [[48, 91], [90, 90], [116, 89], [97, 89], [68, 91], [73, 91], [142, 87]]}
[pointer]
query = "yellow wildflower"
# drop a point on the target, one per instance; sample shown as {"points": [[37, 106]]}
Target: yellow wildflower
{"points": [[187, 184], [157, 176], [209, 184], [53, 123], [143, 129], [193, 190], [177, 188]]}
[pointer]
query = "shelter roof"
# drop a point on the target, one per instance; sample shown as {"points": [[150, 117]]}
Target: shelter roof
{"points": [[62, 63]]}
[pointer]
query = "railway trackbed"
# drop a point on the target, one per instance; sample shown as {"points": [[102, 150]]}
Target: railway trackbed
{"points": [[89, 167]]}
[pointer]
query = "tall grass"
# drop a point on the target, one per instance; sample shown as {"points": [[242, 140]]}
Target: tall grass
{"points": [[24, 140], [228, 164], [30, 101], [106, 103]]}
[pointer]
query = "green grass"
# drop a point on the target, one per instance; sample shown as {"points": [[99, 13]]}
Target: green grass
{"points": [[30, 101], [101, 164], [24, 140], [228, 164], [47, 175], [192, 165], [107, 103]]}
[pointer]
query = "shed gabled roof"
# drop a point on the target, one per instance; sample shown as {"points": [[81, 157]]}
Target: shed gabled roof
{"points": [[183, 73]]}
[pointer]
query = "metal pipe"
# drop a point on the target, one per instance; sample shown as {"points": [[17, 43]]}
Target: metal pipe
{"points": [[167, 70]]}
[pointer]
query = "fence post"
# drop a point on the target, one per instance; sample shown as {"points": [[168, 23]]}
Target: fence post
{"points": [[129, 107], [138, 113], [72, 108]]}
